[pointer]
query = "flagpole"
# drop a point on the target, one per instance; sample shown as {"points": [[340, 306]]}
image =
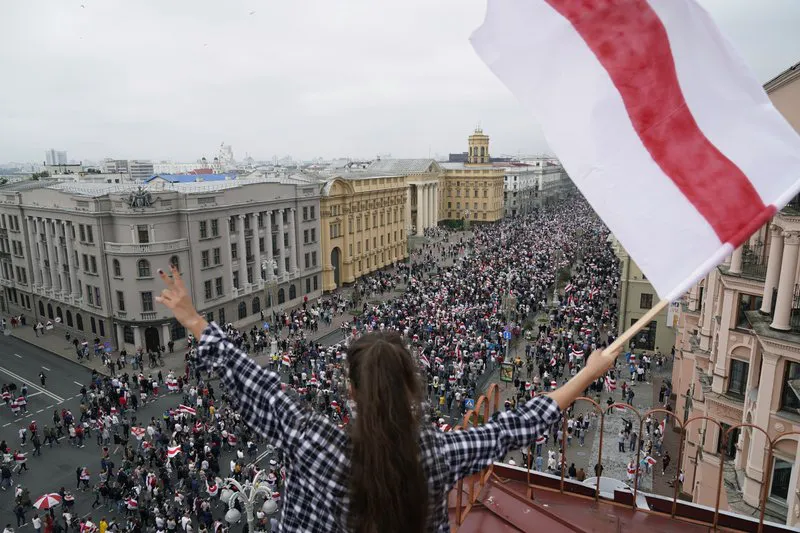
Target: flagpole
{"points": [[635, 328]]}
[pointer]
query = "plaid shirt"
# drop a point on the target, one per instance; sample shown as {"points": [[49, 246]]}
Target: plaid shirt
{"points": [[317, 451]]}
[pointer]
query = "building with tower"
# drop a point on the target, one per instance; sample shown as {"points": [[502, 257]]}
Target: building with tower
{"points": [[473, 191]]}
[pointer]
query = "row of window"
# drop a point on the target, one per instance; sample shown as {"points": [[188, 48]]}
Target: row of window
{"points": [[311, 284], [466, 205]]}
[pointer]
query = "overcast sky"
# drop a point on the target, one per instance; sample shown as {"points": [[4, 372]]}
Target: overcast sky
{"points": [[157, 79]]}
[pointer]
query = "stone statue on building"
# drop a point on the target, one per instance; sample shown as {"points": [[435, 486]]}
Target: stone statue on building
{"points": [[140, 198]]}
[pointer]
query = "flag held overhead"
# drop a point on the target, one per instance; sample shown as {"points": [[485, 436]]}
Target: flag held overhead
{"points": [[656, 119]]}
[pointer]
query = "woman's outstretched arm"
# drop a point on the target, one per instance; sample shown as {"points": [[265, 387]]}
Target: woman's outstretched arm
{"points": [[254, 391]]}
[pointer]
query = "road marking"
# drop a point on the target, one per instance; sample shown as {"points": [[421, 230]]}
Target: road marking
{"points": [[6, 424], [37, 393], [78, 384], [45, 368], [57, 398], [39, 411], [18, 355], [49, 406]]}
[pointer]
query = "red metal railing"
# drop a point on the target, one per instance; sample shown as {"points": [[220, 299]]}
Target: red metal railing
{"points": [[492, 398]]}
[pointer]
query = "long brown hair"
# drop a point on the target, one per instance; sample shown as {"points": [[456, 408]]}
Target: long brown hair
{"points": [[388, 486]]}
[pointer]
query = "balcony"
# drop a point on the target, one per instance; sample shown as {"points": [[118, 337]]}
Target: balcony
{"points": [[118, 248], [149, 315]]}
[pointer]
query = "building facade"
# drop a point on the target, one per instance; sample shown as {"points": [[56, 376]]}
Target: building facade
{"points": [[55, 157], [140, 170], [86, 256], [636, 297], [738, 362], [363, 224], [520, 189], [473, 191]]}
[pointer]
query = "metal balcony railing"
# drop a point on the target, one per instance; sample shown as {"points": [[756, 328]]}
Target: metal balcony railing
{"points": [[465, 496]]}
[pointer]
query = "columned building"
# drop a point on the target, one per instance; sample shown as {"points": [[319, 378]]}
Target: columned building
{"points": [[422, 202], [86, 256], [738, 362], [473, 191]]}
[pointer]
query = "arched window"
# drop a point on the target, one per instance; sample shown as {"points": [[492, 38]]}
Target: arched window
{"points": [[143, 265], [174, 261], [69, 318], [117, 268], [292, 292], [41, 308], [59, 316], [242, 310], [256, 305], [50, 310], [281, 296], [79, 321]]}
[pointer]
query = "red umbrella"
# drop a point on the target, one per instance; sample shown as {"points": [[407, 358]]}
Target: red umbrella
{"points": [[48, 501]]}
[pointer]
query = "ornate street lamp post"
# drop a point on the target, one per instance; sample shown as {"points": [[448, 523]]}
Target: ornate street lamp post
{"points": [[248, 493]]}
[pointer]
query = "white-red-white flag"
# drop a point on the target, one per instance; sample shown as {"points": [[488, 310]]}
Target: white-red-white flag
{"points": [[657, 120], [172, 451]]}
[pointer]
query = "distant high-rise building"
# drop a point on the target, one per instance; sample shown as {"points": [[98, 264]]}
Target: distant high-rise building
{"points": [[140, 170], [55, 157]]}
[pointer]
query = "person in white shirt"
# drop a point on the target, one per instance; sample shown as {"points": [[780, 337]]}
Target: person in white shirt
{"points": [[37, 523]]}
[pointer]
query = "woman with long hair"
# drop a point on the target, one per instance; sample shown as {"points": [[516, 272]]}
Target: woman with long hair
{"points": [[388, 470]]}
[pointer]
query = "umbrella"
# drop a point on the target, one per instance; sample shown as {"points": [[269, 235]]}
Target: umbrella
{"points": [[48, 501]]}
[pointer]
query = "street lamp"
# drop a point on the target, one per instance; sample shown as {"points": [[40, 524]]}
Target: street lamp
{"points": [[270, 267], [247, 493]]}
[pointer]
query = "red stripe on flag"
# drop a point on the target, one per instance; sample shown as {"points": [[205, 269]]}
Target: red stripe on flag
{"points": [[631, 43]]}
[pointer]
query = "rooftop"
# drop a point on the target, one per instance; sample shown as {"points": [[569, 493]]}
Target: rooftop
{"points": [[191, 178], [404, 166]]}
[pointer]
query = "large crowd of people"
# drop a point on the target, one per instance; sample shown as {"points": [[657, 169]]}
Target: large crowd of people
{"points": [[548, 281]]}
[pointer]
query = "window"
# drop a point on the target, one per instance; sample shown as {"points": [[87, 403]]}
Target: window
{"points": [[85, 258], [314, 258], [235, 279], [781, 475], [89, 295], [737, 378], [281, 296], [94, 324], [221, 315], [645, 301], [147, 301], [98, 301], [69, 318], [316, 283], [218, 286], [256, 305], [242, 310], [207, 289], [308, 285], [645, 339], [305, 236], [790, 396], [313, 233], [82, 231], [217, 259], [93, 261], [292, 292], [120, 300], [215, 227], [305, 213], [174, 262], [234, 251], [178, 331], [203, 229], [210, 316], [249, 274], [117, 268], [144, 235], [204, 261], [312, 212], [747, 302], [127, 335], [143, 267], [307, 258], [232, 224], [89, 235]]}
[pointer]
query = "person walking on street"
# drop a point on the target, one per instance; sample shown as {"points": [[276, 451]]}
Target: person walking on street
{"points": [[42, 378], [665, 462]]}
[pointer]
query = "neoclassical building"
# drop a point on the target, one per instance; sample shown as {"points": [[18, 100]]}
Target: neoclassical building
{"points": [[473, 190], [86, 255], [738, 362]]}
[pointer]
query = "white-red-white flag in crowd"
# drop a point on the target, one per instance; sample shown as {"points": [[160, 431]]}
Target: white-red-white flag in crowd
{"points": [[657, 120], [173, 451]]}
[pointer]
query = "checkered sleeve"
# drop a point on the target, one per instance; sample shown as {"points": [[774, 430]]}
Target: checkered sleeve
{"points": [[472, 450], [254, 391]]}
